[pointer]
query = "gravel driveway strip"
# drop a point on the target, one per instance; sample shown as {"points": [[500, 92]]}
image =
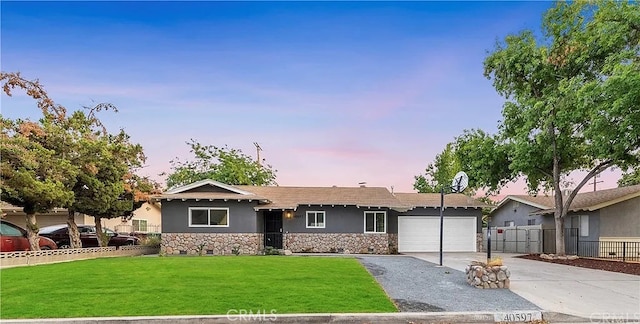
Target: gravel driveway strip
{"points": [[420, 286]]}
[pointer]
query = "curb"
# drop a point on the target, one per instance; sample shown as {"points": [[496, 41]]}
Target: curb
{"points": [[413, 318]]}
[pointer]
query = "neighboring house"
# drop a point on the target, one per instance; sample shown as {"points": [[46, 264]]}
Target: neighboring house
{"points": [[604, 215], [145, 219], [210, 217], [518, 210], [56, 216]]}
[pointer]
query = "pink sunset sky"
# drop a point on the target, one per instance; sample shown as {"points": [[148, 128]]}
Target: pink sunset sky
{"points": [[335, 93]]}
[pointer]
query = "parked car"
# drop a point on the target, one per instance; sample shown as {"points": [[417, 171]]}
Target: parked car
{"points": [[88, 236], [14, 238]]}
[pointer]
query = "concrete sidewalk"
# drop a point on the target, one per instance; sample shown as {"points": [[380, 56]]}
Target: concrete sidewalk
{"points": [[594, 294], [367, 318]]}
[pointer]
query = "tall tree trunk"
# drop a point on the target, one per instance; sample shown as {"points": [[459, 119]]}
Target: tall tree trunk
{"points": [[32, 232], [560, 246], [74, 235], [559, 211], [102, 242]]}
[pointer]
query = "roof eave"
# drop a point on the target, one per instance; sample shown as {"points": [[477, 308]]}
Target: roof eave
{"points": [[521, 200], [208, 182]]}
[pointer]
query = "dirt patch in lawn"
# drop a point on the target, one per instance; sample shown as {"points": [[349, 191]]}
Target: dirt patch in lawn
{"points": [[632, 268]]}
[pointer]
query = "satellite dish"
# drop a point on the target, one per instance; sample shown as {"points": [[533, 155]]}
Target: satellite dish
{"points": [[460, 182]]}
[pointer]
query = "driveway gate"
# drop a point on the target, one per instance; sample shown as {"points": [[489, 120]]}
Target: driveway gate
{"points": [[518, 239]]}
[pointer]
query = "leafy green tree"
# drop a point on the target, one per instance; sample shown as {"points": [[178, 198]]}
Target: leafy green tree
{"points": [[137, 191], [105, 187], [486, 159], [70, 162], [34, 176], [439, 173], [223, 164], [487, 210], [572, 102], [630, 178]]}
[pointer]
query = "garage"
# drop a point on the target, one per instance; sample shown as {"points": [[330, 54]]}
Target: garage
{"points": [[422, 234]]}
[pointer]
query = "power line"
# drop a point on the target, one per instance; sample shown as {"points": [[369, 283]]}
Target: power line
{"points": [[595, 182]]}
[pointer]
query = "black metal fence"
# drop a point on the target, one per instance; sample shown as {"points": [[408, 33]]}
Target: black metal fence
{"points": [[622, 251], [613, 250], [571, 237]]}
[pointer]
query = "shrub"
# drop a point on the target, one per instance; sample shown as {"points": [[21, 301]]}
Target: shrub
{"points": [[270, 250], [151, 240]]}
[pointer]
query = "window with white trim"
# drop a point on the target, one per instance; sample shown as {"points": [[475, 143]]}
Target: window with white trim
{"points": [[584, 225], [139, 225], [315, 219], [208, 217], [375, 221]]}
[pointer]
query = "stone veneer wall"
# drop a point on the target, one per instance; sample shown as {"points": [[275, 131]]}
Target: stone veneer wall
{"points": [[479, 242], [480, 275], [393, 243], [211, 243], [341, 243]]}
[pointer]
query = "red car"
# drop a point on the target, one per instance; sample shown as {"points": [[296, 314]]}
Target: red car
{"points": [[14, 238], [88, 236]]}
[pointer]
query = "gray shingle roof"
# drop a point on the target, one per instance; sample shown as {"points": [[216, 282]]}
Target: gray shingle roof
{"points": [[587, 201]]}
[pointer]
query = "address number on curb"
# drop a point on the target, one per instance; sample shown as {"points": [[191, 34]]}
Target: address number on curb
{"points": [[517, 316]]}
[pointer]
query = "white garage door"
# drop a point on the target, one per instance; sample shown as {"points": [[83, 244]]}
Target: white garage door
{"points": [[422, 234]]}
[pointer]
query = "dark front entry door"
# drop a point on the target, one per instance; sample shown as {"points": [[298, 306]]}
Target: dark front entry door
{"points": [[273, 229]]}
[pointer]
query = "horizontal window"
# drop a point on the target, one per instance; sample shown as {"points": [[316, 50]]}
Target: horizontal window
{"points": [[375, 222], [208, 217], [139, 225], [315, 219]]}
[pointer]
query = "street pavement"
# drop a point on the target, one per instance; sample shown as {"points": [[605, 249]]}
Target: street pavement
{"points": [[600, 296]]}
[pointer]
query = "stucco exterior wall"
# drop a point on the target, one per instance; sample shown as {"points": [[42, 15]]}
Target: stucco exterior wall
{"points": [[242, 216], [518, 213], [573, 221], [338, 219], [149, 212], [621, 220], [43, 220]]}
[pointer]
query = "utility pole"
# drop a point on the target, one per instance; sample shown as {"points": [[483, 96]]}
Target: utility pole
{"points": [[595, 181], [258, 149]]}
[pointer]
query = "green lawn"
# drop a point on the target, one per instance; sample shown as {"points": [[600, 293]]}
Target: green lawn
{"points": [[190, 286]]}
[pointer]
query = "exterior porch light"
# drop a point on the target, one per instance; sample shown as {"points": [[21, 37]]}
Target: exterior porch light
{"points": [[288, 213]]}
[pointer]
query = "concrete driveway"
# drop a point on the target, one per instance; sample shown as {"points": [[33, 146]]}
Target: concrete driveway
{"points": [[594, 294]]}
